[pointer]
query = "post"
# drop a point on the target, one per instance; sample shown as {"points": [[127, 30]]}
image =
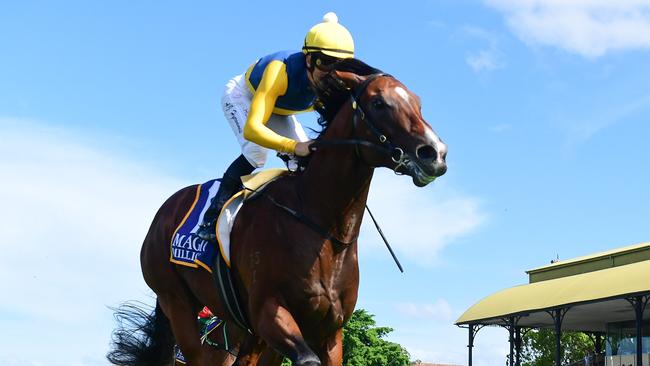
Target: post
{"points": [[638, 310], [511, 340], [470, 343], [472, 330], [558, 316], [598, 347], [518, 342], [639, 303]]}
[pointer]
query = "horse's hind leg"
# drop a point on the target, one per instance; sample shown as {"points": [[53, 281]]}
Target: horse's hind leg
{"points": [[182, 316]]}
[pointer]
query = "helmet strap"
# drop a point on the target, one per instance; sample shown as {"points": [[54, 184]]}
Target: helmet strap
{"points": [[311, 65]]}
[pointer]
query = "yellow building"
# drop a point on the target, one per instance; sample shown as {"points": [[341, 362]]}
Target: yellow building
{"points": [[603, 294]]}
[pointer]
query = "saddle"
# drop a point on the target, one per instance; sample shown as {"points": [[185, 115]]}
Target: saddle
{"points": [[254, 185]]}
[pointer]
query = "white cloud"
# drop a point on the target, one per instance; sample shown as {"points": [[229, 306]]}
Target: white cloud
{"points": [[501, 127], [73, 219], [419, 222], [439, 310], [486, 59], [437, 24], [430, 341], [584, 127], [590, 28], [428, 333]]}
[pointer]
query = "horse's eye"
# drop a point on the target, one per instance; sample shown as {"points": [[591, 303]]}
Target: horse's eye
{"points": [[378, 104]]}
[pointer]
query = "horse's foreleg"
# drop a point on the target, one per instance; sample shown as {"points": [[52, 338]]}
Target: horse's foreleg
{"points": [[331, 354], [278, 328], [182, 317]]}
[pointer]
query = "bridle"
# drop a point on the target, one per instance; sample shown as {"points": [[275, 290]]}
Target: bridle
{"points": [[385, 146]]}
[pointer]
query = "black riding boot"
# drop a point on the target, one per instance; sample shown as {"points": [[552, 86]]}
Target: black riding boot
{"points": [[230, 184]]}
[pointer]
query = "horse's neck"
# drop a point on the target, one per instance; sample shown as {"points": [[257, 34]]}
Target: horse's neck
{"points": [[336, 182]]}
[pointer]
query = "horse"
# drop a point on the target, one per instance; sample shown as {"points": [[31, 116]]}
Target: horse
{"points": [[294, 253]]}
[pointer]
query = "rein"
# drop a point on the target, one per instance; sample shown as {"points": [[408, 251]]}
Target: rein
{"points": [[322, 231], [303, 219], [307, 221]]}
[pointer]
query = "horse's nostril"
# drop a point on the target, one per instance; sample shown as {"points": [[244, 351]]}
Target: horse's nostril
{"points": [[426, 152]]}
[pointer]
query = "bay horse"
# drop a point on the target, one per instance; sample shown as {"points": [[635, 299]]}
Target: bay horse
{"points": [[297, 275]]}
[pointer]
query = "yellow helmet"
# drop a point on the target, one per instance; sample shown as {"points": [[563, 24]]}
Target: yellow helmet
{"points": [[329, 38]]}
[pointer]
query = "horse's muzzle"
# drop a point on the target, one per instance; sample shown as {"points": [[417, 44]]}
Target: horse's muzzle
{"points": [[429, 163], [423, 175]]}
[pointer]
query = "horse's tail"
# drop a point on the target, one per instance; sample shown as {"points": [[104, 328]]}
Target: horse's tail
{"points": [[141, 338]]}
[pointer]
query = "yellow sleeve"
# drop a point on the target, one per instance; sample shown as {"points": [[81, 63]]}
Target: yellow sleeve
{"points": [[273, 85]]}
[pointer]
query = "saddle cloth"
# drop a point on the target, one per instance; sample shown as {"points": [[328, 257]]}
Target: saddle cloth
{"points": [[187, 248]]}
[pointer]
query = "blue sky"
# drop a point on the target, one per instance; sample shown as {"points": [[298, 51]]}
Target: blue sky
{"points": [[108, 108]]}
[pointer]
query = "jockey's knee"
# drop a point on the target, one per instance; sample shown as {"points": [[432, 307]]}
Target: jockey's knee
{"points": [[255, 158]]}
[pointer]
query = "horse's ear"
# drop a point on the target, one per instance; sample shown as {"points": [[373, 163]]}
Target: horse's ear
{"points": [[348, 79]]}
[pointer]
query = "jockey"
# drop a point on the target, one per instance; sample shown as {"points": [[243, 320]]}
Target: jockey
{"points": [[261, 105]]}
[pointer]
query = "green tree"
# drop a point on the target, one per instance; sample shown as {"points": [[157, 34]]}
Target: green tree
{"points": [[538, 347], [363, 344]]}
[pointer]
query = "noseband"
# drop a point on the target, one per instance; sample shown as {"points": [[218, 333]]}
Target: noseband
{"points": [[396, 153]]}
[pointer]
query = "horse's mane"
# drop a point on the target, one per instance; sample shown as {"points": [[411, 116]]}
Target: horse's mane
{"points": [[331, 94]]}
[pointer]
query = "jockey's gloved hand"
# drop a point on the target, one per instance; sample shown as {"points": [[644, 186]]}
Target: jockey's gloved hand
{"points": [[302, 148]]}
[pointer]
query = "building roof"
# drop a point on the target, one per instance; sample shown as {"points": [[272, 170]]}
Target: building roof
{"points": [[594, 262], [599, 295]]}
